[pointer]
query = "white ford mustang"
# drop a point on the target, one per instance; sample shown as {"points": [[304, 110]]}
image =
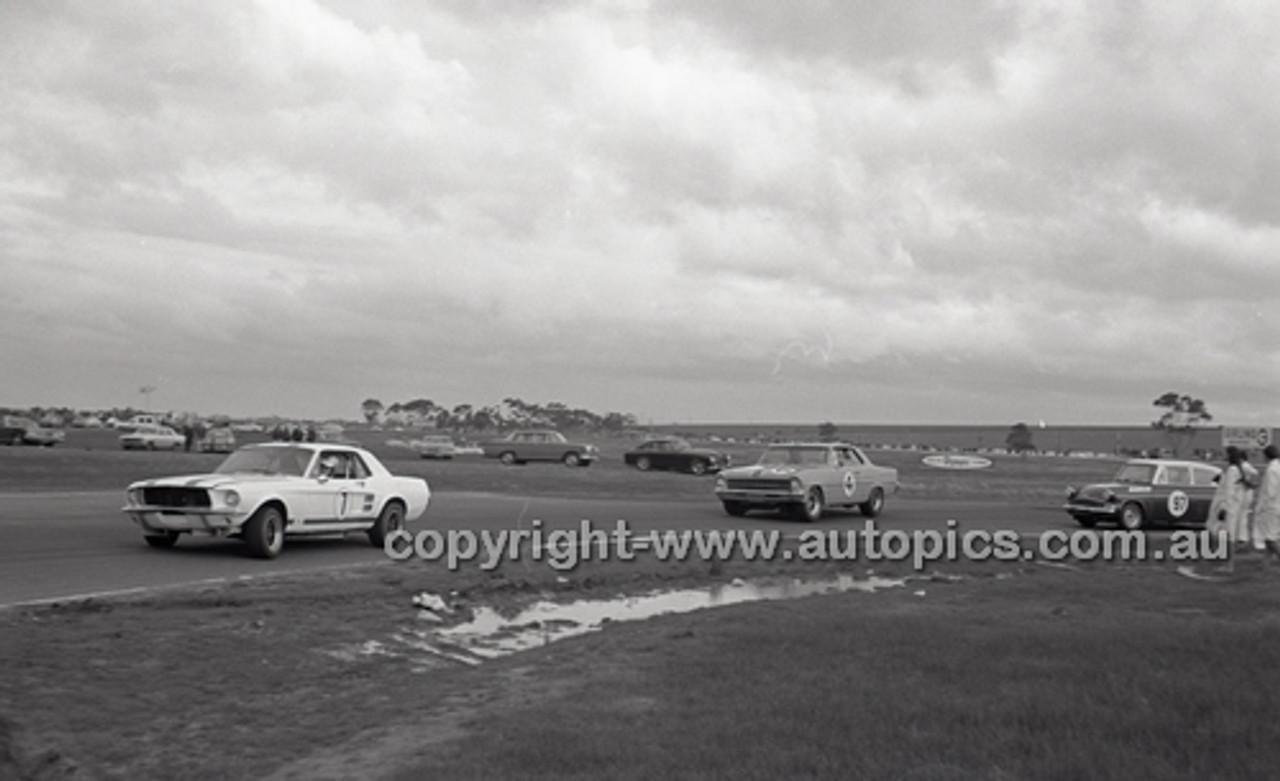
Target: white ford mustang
{"points": [[263, 492]]}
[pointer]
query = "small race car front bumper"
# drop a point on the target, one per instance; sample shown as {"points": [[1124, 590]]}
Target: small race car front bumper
{"points": [[1101, 512], [759, 498], [154, 519]]}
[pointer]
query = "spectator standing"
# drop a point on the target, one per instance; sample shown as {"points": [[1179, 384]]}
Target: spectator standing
{"points": [[1233, 501], [1266, 510]]}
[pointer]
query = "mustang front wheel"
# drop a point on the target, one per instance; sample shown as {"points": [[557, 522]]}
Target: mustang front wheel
{"points": [[698, 467], [571, 459], [264, 533]]}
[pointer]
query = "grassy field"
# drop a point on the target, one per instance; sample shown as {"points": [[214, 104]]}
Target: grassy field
{"points": [[991, 672], [977, 671]]}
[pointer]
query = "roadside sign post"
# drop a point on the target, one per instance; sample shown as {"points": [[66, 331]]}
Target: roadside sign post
{"points": [[1246, 437]]}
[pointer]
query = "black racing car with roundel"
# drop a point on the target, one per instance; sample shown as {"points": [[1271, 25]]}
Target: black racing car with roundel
{"points": [[1147, 492]]}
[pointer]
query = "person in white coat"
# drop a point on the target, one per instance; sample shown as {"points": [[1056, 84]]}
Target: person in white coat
{"points": [[1266, 508], [1232, 503]]}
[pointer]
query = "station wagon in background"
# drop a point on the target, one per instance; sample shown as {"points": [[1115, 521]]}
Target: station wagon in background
{"points": [[807, 478], [676, 454], [519, 447], [151, 436], [265, 492], [1147, 492]]}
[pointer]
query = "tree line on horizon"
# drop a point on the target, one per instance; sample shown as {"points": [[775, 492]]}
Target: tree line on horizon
{"points": [[512, 412]]}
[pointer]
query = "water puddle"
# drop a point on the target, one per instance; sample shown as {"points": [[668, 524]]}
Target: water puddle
{"points": [[488, 633]]}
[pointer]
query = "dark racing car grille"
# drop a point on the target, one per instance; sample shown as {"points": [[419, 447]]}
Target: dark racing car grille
{"points": [[758, 485], [175, 496]]}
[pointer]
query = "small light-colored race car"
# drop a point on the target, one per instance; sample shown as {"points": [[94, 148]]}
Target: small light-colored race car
{"points": [[261, 493], [806, 479], [1146, 492]]}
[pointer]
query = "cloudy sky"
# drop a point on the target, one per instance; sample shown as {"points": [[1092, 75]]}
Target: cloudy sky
{"points": [[707, 210]]}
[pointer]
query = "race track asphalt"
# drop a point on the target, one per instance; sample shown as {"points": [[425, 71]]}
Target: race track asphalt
{"points": [[59, 546]]}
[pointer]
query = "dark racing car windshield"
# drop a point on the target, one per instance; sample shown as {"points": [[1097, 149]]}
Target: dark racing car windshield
{"points": [[1136, 474]]}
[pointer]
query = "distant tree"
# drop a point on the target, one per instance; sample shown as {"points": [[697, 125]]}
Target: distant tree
{"points": [[618, 421], [1019, 439], [1182, 416], [372, 409], [827, 431]]}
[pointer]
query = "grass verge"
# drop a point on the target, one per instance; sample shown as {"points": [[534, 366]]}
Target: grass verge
{"points": [[1014, 672]]}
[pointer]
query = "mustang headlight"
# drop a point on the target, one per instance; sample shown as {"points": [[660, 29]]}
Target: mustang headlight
{"points": [[134, 495], [797, 485], [721, 483], [232, 499]]}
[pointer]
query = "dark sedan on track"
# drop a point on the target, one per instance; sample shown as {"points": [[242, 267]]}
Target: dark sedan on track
{"points": [[674, 453]]}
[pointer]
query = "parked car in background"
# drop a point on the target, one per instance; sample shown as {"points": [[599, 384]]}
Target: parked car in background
{"points": [[1145, 492], [519, 447], [151, 436], [10, 434], [806, 479], [264, 492], [677, 454], [17, 430], [434, 446], [219, 439], [138, 420]]}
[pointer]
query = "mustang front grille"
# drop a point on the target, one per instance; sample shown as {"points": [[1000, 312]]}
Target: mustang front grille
{"points": [[175, 496]]}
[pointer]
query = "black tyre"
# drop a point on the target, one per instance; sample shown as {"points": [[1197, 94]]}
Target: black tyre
{"points": [[163, 540], [698, 466], [390, 520], [644, 464], [1132, 517], [874, 504], [571, 459], [812, 507], [16, 439], [264, 533], [507, 458], [734, 508]]}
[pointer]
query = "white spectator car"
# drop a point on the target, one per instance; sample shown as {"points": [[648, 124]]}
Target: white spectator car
{"points": [[151, 436], [262, 493]]}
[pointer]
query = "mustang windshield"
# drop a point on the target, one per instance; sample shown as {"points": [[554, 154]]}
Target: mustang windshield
{"points": [[267, 461], [795, 456], [1136, 474]]}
